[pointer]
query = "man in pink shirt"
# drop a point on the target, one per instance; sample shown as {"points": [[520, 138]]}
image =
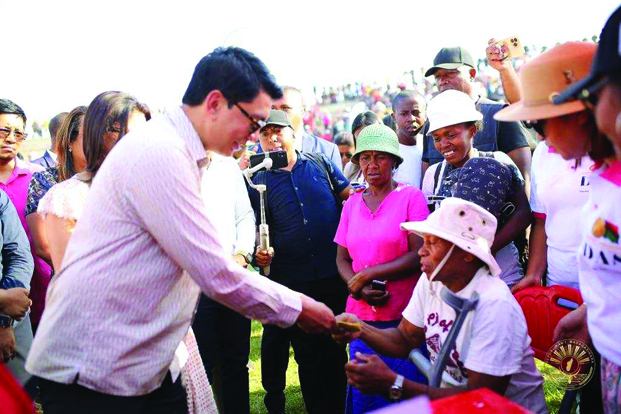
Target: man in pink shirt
{"points": [[15, 176], [144, 248]]}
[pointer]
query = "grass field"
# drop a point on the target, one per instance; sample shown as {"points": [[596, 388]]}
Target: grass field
{"points": [[295, 404]]}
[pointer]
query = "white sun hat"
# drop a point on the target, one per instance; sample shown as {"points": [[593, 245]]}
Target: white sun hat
{"points": [[465, 224], [451, 107]]}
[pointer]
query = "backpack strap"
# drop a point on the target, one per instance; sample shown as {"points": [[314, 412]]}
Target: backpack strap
{"points": [[437, 177]]}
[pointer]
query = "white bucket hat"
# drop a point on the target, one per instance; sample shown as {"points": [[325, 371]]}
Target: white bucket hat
{"points": [[451, 107], [465, 224]]}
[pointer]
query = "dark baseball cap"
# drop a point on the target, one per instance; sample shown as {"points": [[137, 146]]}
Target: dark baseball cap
{"points": [[607, 61], [450, 58], [279, 118]]}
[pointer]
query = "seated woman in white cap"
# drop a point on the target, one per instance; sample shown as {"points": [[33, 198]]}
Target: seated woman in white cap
{"points": [[493, 347], [453, 122]]}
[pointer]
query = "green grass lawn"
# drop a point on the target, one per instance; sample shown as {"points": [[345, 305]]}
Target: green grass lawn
{"points": [[295, 404]]}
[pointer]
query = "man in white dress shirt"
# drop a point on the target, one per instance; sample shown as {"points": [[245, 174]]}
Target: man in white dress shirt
{"points": [[223, 335], [144, 248]]}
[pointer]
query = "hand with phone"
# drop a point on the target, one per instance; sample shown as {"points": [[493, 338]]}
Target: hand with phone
{"points": [[374, 297], [499, 55], [358, 281], [244, 159]]}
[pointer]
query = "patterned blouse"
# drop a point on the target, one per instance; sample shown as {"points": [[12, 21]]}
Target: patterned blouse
{"points": [[39, 185]]}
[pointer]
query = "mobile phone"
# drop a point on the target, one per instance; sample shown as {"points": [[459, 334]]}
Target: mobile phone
{"points": [[379, 285], [279, 159], [514, 48]]}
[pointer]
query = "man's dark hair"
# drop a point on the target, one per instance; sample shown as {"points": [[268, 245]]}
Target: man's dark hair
{"points": [[235, 72], [9, 107], [54, 126], [107, 109], [409, 94]]}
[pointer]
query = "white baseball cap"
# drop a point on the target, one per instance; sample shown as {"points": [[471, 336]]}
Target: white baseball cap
{"points": [[463, 223], [451, 107]]}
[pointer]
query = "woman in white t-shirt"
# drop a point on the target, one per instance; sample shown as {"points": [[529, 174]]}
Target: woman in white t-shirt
{"points": [[559, 189], [492, 348], [571, 128], [600, 254], [453, 122]]}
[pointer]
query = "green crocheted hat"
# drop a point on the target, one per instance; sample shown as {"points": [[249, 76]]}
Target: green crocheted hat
{"points": [[377, 137]]}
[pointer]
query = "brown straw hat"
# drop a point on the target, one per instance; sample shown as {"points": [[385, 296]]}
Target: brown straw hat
{"points": [[545, 77]]}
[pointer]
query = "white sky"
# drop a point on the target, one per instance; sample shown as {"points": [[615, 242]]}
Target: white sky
{"points": [[60, 54]]}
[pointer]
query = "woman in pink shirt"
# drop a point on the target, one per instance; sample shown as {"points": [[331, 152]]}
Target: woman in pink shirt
{"points": [[372, 248]]}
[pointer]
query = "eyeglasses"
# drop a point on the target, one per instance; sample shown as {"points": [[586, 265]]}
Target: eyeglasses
{"points": [[255, 124], [19, 135]]}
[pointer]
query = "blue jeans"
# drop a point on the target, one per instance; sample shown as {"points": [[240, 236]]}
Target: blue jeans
{"points": [[358, 403]]}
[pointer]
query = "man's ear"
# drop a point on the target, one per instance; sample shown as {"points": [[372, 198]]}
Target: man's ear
{"points": [[392, 115], [214, 102]]}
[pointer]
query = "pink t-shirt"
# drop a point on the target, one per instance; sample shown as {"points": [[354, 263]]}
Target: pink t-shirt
{"points": [[376, 238], [16, 188]]}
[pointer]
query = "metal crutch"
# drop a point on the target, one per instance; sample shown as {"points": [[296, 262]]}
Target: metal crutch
{"points": [[435, 373]]}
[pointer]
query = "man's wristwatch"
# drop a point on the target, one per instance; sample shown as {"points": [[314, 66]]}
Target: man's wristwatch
{"points": [[6, 321], [247, 256], [397, 388]]}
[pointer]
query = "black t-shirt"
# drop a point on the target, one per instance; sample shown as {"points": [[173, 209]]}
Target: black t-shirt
{"points": [[495, 136]]}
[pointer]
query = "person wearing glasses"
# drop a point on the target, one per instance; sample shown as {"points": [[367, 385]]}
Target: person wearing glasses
{"points": [[599, 268], [71, 160], [143, 249], [345, 141], [15, 175], [303, 210], [559, 172]]}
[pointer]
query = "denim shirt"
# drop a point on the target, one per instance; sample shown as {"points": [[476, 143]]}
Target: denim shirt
{"points": [[17, 264]]}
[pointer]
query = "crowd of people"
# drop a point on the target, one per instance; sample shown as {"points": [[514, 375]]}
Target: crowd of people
{"points": [[136, 251]]}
